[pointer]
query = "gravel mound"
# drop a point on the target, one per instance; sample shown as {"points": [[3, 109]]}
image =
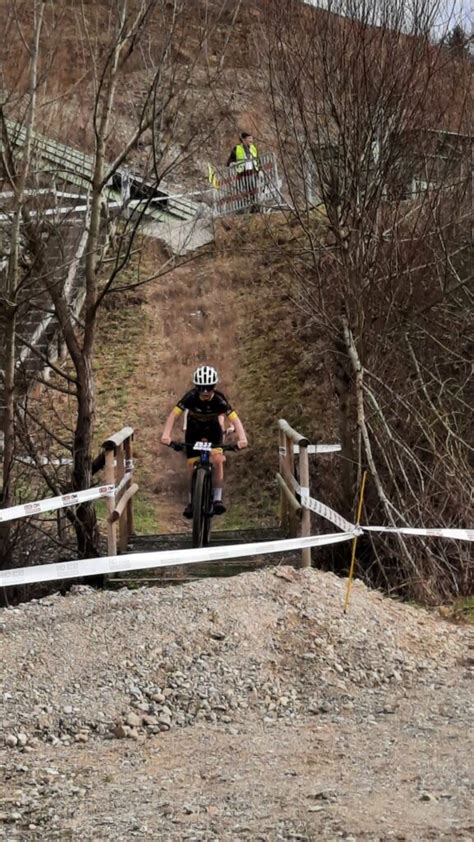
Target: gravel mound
{"points": [[274, 645]]}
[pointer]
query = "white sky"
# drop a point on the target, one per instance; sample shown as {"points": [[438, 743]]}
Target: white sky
{"points": [[451, 12]]}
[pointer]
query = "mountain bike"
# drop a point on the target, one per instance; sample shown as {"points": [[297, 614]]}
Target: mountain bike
{"points": [[201, 489]]}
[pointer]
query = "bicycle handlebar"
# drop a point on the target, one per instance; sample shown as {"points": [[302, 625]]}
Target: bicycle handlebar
{"points": [[181, 445]]}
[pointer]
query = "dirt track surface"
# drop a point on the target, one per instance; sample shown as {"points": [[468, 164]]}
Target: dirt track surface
{"points": [[246, 708]]}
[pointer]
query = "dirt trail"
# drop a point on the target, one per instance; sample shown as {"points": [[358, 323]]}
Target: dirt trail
{"points": [[185, 319]]}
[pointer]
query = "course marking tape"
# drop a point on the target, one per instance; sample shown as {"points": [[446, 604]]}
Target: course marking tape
{"points": [[164, 558], [123, 482], [321, 509], [326, 512], [52, 503], [456, 534], [319, 448]]}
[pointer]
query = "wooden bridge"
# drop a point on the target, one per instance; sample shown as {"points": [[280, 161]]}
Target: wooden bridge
{"points": [[293, 477]]}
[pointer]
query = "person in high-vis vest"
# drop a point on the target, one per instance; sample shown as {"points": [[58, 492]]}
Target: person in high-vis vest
{"points": [[244, 156], [243, 160]]}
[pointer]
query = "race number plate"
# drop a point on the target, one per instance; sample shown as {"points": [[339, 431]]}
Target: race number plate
{"points": [[203, 445]]}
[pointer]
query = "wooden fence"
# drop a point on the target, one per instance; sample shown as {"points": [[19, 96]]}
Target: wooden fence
{"points": [[117, 460], [293, 481], [293, 517]]}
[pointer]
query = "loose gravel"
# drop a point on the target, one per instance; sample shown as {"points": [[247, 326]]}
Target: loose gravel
{"points": [[251, 670]]}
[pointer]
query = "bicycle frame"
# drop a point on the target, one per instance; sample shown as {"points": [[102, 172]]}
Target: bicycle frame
{"points": [[202, 489]]}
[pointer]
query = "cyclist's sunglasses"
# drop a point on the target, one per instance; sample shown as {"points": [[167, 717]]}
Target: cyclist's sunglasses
{"points": [[205, 388]]}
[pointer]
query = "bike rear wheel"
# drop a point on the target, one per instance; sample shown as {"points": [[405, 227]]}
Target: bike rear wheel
{"points": [[201, 507]]}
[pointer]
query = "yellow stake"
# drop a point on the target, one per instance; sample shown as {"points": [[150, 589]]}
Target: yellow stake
{"points": [[354, 541]]}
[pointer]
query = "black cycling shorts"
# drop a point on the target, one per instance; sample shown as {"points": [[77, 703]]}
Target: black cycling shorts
{"points": [[202, 432]]}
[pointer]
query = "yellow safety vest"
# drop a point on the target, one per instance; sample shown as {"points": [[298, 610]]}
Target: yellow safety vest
{"points": [[241, 155]]}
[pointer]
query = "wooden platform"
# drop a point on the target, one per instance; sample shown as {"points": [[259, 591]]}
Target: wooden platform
{"points": [[183, 573]]}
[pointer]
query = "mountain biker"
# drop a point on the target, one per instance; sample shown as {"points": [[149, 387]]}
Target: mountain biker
{"points": [[207, 408]]}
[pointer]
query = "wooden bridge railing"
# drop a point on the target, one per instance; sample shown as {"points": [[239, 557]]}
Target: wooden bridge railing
{"points": [[117, 459], [293, 516]]}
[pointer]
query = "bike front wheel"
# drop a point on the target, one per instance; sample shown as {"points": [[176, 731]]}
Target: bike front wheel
{"points": [[201, 508]]}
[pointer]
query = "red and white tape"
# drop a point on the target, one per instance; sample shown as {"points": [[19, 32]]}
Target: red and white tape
{"points": [[50, 504], [318, 448], [328, 513], [166, 558], [455, 534]]}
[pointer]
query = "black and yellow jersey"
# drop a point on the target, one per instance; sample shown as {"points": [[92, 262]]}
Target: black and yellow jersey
{"points": [[204, 411]]}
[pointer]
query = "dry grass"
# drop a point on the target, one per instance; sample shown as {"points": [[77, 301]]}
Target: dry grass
{"points": [[232, 310]]}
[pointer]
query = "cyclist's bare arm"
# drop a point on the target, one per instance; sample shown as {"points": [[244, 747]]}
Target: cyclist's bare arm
{"points": [[168, 428], [239, 430]]}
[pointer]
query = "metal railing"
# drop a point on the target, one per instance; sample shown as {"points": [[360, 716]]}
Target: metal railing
{"points": [[257, 188], [76, 167]]}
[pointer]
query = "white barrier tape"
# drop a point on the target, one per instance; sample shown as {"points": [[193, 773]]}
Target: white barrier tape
{"points": [[310, 503], [321, 509], [456, 534], [44, 460], [52, 503], [123, 482], [166, 558], [319, 448]]}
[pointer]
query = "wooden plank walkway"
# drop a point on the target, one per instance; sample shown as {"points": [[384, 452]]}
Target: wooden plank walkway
{"points": [[183, 573]]}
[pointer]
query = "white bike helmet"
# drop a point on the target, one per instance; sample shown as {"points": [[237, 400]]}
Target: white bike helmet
{"points": [[205, 375]]}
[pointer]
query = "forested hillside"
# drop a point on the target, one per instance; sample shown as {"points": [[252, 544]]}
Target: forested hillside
{"points": [[346, 310], [148, 691]]}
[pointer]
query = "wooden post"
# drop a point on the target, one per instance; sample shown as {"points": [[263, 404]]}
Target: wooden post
{"points": [[120, 464], [293, 507], [290, 468], [129, 467], [120, 471], [289, 458], [284, 510], [306, 517], [110, 480]]}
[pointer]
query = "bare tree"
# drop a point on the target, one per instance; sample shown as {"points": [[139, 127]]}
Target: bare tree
{"points": [[12, 293], [371, 121], [134, 78]]}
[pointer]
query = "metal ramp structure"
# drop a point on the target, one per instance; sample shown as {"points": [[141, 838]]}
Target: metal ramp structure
{"points": [[70, 166], [59, 199]]}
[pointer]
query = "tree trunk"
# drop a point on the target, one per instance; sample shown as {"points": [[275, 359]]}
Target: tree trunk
{"points": [[344, 387], [86, 521], [9, 434]]}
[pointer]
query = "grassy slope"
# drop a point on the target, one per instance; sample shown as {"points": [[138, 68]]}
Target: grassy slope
{"points": [[232, 309]]}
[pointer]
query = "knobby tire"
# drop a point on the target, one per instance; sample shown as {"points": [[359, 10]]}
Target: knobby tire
{"points": [[201, 508]]}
